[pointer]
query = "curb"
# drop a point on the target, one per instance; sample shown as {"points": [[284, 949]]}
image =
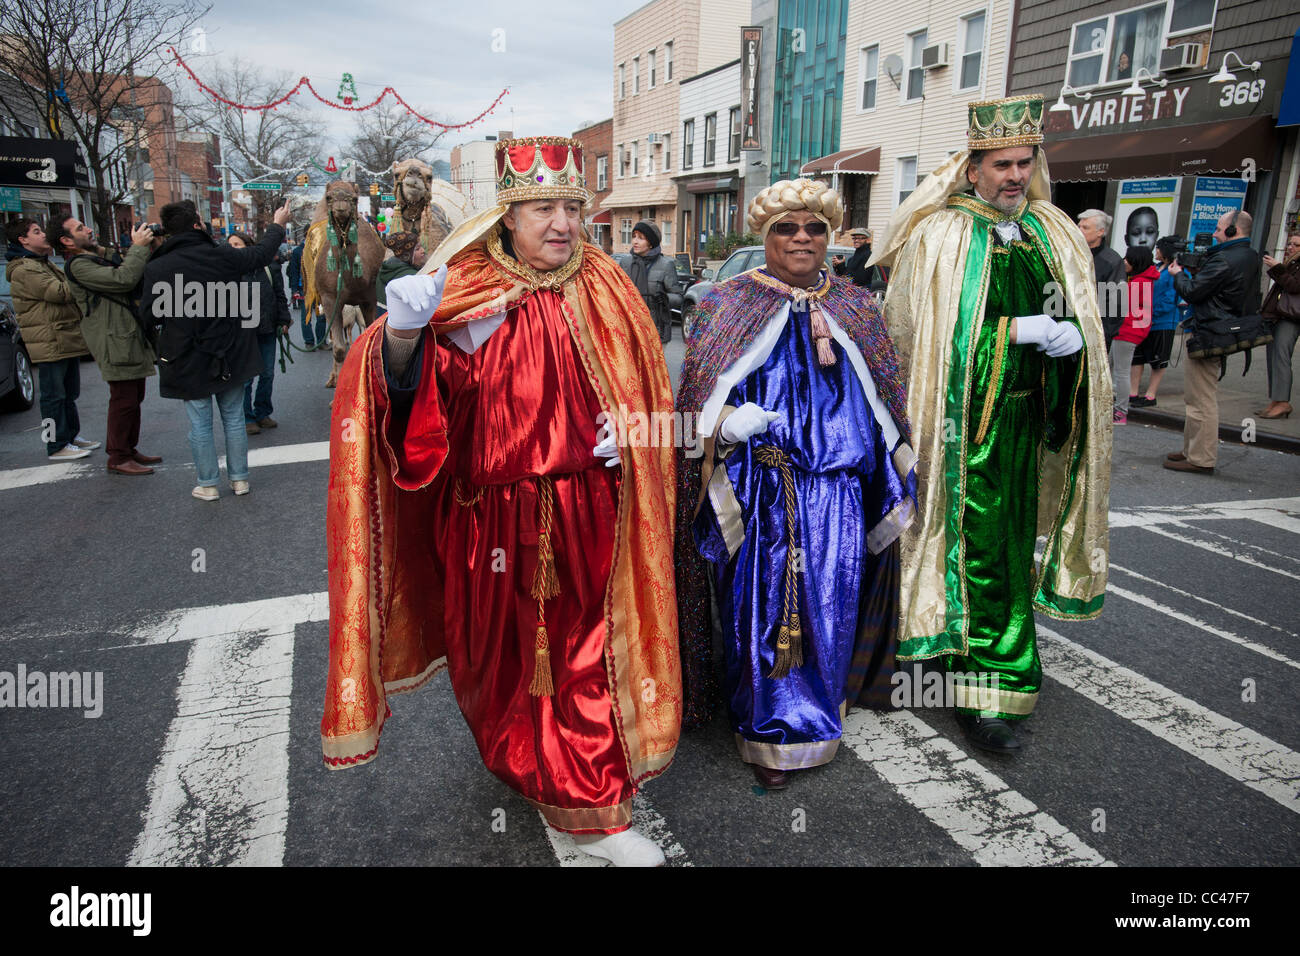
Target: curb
{"points": [[1228, 433]]}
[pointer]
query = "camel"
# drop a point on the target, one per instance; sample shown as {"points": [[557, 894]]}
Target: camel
{"points": [[340, 260], [430, 208]]}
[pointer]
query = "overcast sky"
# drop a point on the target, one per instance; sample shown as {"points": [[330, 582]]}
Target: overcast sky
{"points": [[557, 59]]}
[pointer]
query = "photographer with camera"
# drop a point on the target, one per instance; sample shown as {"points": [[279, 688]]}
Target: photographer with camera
{"points": [[106, 294], [1226, 286], [212, 354]]}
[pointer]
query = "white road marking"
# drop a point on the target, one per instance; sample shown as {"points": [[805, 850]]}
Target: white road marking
{"points": [[1145, 601], [1187, 595], [219, 795], [44, 474], [1275, 511], [974, 806], [1241, 753], [1215, 548], [645, 820]]}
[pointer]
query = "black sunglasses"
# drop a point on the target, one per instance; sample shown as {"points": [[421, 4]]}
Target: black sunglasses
{"points": [[786, 228]]}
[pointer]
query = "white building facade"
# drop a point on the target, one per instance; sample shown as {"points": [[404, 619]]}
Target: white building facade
{"points": [[709, 175]]}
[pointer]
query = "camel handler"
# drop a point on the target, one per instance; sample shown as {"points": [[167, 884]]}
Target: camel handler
{"points": [[478, 520]]}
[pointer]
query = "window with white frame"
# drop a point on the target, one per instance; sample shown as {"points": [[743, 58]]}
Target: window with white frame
{"points": [[636, 74], [622, 81], [914, 75], [710, 138], [651, 64], [668, 151], [602, 172], [869, 71], [733, 140], [905, 177], [636, 158], [626, 232], [970, 39], [620, 161], [1112, 48], [666, 232], [688, 144], [668, 61]]}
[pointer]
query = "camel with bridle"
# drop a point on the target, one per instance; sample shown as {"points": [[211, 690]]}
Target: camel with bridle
{"points": [[340, 260]]}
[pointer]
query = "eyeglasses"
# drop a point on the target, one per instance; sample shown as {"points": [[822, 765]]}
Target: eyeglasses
{"points": [[786, 228]]}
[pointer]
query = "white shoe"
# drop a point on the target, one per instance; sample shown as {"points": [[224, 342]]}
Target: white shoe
{"points": [[205, 493], [626, 848], [85, 443], [239, 487], [69, 453]]}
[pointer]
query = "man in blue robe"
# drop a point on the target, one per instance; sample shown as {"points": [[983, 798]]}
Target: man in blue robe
{"points": [[806, 480]]}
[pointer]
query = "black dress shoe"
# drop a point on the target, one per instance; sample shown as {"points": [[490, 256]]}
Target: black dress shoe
{"points": [[989, 733], [770, 779]]}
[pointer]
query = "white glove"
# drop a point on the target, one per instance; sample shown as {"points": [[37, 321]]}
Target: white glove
{"points": [[1065, 339], [1034, 330], [412, 300], [746, 422], [607, 448]]}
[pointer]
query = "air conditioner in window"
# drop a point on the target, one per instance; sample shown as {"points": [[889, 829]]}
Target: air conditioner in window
{"points": [[653, 138], [1184, 56], [934, 56]]}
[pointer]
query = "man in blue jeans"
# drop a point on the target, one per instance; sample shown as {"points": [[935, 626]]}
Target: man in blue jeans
{"points": [[273, 315]]}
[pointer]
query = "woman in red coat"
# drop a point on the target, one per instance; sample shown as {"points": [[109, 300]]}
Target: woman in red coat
{"points": [[1142, 274]]}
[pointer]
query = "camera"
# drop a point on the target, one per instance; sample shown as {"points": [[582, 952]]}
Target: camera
{"points": [[1196, 258], [155, 228]]}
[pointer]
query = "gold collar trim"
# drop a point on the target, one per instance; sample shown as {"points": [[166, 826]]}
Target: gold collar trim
{"points": [[535, 280], [986, 210], [799, 296]]}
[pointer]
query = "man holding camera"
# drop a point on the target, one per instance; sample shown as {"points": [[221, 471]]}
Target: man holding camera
{"points": [[106, 295], [1225, 285]]}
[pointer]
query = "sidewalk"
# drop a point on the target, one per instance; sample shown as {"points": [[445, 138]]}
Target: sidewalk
{"points": [[1240, 401]]}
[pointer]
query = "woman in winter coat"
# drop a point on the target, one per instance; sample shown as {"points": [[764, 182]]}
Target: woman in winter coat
{"points": [[1142, 274], [654, 276], [1285, 325]]}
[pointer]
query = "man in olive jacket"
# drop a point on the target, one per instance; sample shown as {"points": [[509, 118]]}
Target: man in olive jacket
{"points": [[51, 326], [106, 295]]}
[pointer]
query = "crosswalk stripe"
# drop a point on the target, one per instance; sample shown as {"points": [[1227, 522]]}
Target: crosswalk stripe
{"points": [[974, 806], [1112, 588], [1188, 595], [1241, 753], [1214, 548]]}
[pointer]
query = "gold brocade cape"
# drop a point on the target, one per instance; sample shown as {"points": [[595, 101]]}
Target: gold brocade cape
{"points": [[385, 602], [930, 296]]}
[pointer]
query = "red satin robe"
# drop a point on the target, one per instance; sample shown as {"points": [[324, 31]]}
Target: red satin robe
{"points": [[519, 407]]}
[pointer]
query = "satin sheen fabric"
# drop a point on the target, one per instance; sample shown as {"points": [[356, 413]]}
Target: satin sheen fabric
{"points": [[844, 484]]}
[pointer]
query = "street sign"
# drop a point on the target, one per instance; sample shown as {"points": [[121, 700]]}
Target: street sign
{"points": [[262, 186], [388, 197], [214, 189], [10, 200]]}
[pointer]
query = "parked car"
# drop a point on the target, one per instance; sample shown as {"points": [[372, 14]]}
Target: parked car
{"points": [[17, 383], [742, 260]]}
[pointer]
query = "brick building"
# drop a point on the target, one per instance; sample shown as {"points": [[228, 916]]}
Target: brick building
{"points": [[598, 153]]}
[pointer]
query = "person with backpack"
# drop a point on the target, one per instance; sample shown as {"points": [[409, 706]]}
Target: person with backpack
{"points": [[106, 295], [273, 315]]}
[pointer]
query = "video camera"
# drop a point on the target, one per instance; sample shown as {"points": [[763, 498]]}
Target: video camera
{"points": [[1192, 261]]}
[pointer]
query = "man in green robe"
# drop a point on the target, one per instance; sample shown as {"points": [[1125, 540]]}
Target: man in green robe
{"points": [[992, 307]]}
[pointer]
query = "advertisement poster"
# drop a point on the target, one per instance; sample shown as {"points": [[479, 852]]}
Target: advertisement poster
{"points": [[1145, 210], [1214, 196]]}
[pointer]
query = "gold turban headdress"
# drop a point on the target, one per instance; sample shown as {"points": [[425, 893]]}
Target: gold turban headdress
{"points": [[787, 196]]}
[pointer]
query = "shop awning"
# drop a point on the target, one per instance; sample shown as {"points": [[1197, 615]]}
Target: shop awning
{"points": [[729, 184], [1196, 150], [865, 160], [602, 218]]}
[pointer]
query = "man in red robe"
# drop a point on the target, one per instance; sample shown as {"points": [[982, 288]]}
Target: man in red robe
{"points": [[479, 520]]}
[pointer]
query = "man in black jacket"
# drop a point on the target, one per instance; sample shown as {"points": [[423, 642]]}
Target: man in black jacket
{"points": [[1112, 277], [1226, 286], [868, 277], [208, 343]]}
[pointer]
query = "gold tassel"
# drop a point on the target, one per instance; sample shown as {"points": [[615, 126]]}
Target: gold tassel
{"points": [[821, 333], [820, 329], [825, 357], [546, 580], [789, 649], [541, 685]]}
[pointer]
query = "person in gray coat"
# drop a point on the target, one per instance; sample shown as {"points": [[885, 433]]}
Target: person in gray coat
{"points": [[1112, 279], [654, 276]]}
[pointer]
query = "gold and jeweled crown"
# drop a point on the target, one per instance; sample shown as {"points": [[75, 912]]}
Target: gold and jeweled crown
{"points": [[1014, 121], [540, 167]]}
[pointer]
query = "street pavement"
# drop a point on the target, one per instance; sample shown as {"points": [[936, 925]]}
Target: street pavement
{"points": [[1167, 731]]}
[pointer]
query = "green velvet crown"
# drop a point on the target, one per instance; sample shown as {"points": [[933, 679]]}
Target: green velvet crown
{"points": [[1014, 121]]}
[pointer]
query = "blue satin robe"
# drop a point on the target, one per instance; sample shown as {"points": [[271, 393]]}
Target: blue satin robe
{"points": [[845, 484]]}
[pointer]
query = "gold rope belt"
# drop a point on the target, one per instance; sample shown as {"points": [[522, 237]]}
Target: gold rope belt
{"points": [[546, 581], [789, 640]]}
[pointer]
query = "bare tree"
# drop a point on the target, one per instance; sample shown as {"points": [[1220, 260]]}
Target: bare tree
{"points": [[103, 55], [254, 141], [389, 133]]}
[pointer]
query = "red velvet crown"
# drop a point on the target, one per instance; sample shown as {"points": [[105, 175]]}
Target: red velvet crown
{"points": [[540, 167]]}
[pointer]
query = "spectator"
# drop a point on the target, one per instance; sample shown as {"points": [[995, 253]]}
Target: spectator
{"points": [[209, 355], [273, 315], [654, 276], [1226, 285], [1142, 275], [407, 259], [51, 326], [1109, 267], [1154, 350], [1282, 311], [106, 293], [868, 277]]}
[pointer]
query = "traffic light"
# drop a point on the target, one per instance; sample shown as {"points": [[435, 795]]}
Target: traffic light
{"points": [[374, 189], [302, 179]]}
